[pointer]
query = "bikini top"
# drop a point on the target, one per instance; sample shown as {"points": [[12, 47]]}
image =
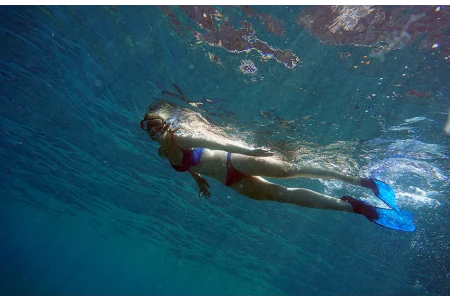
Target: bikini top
{"points": [[190, 158]]}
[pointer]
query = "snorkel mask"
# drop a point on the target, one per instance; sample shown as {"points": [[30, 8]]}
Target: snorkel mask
{"points": [[156, 126], [152, 124]]}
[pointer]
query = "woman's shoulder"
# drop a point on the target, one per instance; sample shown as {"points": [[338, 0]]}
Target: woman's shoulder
{"points": [[186, 140], [180, 136]]}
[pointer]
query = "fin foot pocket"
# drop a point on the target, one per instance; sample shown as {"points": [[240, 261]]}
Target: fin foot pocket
{"points": [[361, 207]]}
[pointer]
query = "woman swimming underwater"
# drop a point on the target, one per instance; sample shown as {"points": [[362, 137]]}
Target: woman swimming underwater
{"points": [[242, 169]]}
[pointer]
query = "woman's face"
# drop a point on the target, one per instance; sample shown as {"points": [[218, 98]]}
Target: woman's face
{"points": [[155, 135], [154, 126]]}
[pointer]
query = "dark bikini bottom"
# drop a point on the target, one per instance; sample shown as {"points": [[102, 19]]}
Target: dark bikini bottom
{"points": [[233, 175]]}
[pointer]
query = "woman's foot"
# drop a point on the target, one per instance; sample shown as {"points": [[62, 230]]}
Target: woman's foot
{"points": [[370, 183], [361, 207]]}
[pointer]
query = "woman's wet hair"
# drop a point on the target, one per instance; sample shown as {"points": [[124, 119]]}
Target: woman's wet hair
{"points": [[160, 108], [179, 117]]}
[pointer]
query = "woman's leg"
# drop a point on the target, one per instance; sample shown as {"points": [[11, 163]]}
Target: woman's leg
{"points": [[260, 189], [270, 167]]}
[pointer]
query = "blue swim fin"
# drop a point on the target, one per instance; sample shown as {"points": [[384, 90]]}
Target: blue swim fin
{"points": [[386, 194], [402, 220], [382, 190]]}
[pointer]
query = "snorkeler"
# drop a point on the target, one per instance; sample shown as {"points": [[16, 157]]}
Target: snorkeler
{"points": [[242, 169]]}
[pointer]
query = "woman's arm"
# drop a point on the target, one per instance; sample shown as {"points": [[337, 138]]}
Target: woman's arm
{"points": [[161, 152], [217, 143]]}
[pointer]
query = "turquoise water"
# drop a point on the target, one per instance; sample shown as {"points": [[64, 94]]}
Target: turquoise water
{"points": [[89, 208]]}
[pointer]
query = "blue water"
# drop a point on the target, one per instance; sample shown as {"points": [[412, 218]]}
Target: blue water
{"points": [[89, 208]]}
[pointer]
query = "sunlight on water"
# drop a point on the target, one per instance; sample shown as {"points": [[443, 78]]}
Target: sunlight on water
{"points": [[412, 168], [447, 125], [416, 183], [415, 169]]}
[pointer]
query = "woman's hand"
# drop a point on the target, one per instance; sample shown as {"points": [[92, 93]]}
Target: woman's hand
{"points": [[260, 152], [203, 185]]}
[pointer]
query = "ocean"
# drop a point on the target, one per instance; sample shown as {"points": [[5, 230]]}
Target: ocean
{"points": [[89, 208]]}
